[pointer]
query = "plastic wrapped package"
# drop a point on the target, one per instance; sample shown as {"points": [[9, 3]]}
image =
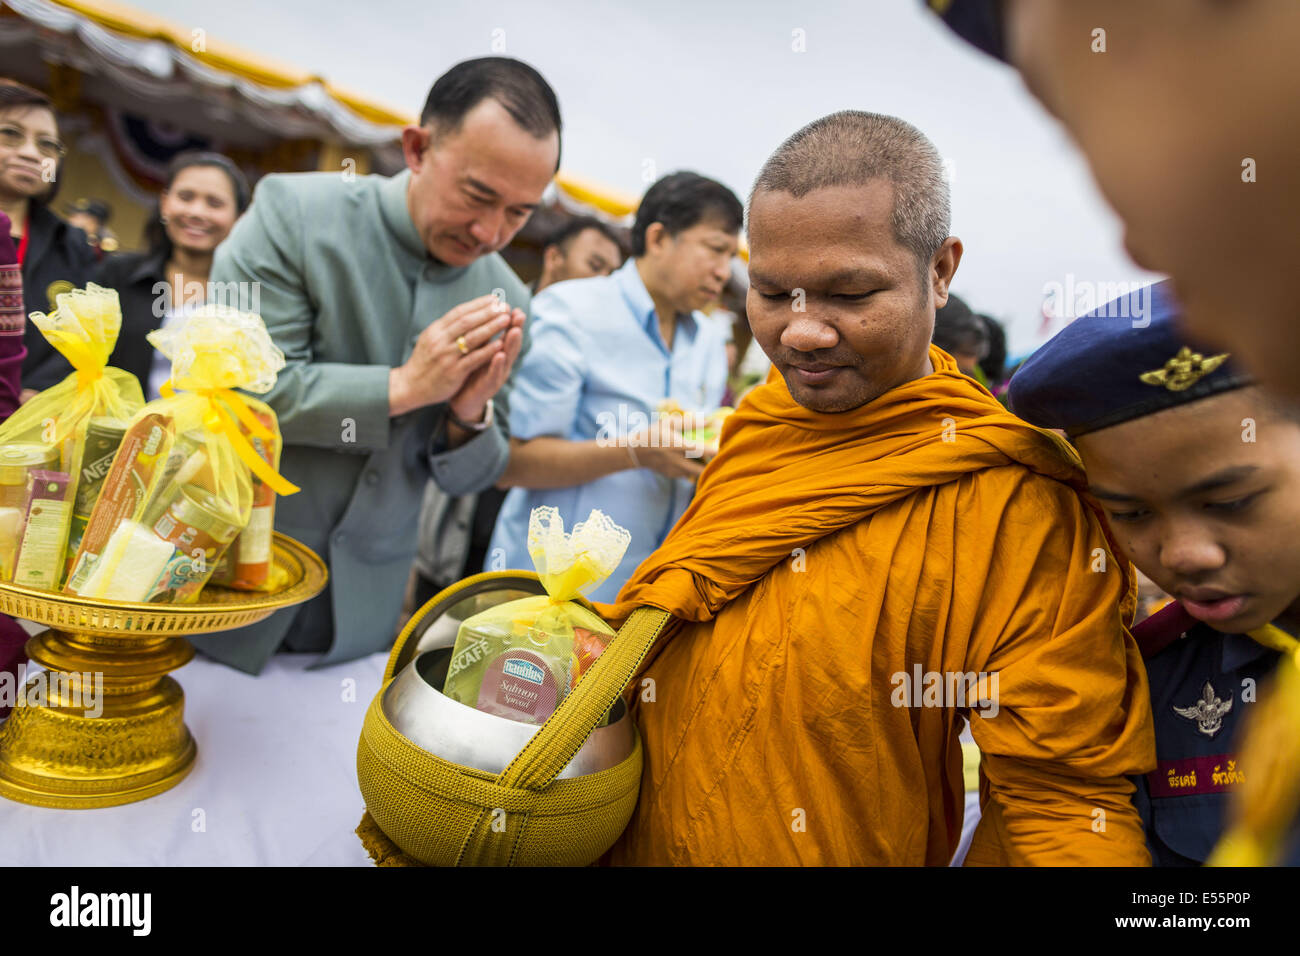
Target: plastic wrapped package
{"points": [[247, 564], [56, 448], [519, 660], [180, 488]]}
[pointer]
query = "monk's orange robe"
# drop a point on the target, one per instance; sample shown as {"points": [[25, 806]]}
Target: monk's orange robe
{"points": [[826, 555]]}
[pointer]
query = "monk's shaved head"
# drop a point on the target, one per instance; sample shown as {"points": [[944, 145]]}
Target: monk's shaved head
{"points": [[852, 148]]}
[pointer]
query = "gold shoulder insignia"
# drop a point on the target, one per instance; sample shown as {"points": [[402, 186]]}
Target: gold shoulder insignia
{"points": [[1184, 370]]}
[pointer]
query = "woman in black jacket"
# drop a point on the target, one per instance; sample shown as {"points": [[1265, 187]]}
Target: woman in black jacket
{"points": [[55, 256], [204, 195]]}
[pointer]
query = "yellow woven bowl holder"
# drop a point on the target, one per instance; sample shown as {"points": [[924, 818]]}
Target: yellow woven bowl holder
{"points": [[443, 814]]}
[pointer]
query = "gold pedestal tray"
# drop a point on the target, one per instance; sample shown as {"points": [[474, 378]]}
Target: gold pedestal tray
{"points": [[54, 753]]}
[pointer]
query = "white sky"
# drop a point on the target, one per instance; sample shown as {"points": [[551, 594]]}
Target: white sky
{"points": [[715, 86]]}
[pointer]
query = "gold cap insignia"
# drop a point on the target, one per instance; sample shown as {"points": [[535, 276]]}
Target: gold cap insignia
{"points": [[1184, 370]]}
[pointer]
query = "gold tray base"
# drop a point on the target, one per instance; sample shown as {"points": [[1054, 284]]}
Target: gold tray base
{"points": [[54, 753], [53, 756]]}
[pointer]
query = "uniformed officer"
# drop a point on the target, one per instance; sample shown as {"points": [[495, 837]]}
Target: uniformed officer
{"points": [[1198, 471]]}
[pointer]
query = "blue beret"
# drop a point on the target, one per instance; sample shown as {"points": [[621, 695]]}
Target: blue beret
{"points": [[1122, 361]]}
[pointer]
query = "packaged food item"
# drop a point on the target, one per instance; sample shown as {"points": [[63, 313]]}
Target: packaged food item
{"points": [[704, 430], [708, 434], [17, 461], [246, 565], [521, 659], [124, 489], [49, 433], [103, 437], [41, 555], [11, 526], [180, 487], [134, 559], [186, 463], [199, 526]]}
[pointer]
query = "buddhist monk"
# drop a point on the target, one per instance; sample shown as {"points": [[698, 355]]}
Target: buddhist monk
{"points": [[878, 552]]}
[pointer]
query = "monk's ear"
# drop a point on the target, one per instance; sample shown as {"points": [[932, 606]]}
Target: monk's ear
{"points": [[943, 266]]}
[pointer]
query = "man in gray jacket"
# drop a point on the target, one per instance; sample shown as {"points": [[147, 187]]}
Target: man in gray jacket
{"points": [[394, 312]]}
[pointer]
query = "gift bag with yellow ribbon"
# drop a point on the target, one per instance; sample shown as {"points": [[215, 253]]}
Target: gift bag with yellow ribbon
{"points": [[55, 449], [180, 488], [520, 660]]}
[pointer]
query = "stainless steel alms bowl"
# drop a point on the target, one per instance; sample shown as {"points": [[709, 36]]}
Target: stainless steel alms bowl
{"points": [[417, 709], [415, 706]]}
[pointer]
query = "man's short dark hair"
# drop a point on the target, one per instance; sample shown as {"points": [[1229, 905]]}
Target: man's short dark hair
{"points": [[576, 226], [680, 201], [520, 90]]}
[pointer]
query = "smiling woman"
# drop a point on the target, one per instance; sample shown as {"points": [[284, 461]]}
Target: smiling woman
{"points": [[54, 256], [204, 194]]}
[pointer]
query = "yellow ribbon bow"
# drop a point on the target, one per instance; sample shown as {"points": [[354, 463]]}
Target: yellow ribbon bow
{"points": [[89, 367], [219, 422]]}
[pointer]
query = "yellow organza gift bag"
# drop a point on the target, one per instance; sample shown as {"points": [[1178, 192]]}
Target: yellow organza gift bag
{"points": [[180, 488], [55, 449], [519, 660]]}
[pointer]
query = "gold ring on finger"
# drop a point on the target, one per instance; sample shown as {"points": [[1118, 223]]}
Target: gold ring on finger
{"points": [[462, 345]]}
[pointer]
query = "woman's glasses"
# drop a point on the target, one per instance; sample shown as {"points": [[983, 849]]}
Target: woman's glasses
{"points": [[14, 137]]}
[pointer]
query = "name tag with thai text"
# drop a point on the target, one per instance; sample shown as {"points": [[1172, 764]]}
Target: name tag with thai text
{"points": [[1212, 774]]}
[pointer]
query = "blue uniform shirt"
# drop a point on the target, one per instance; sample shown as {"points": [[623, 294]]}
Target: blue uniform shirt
{"points": [[598, 367], [1183, 801]]}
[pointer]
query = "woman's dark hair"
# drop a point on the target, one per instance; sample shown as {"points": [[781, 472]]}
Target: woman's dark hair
{"points": [[521, 91], [679, 201], [15, 95], [155, 233]]}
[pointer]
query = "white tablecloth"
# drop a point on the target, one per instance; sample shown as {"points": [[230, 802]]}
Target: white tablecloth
{"points": [[275, 779]]}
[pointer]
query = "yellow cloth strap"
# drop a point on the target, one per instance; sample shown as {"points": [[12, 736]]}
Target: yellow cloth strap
{"points": [[88, 365], [1265, 807], [1279, 640], [218, 421], [565, 731]]}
